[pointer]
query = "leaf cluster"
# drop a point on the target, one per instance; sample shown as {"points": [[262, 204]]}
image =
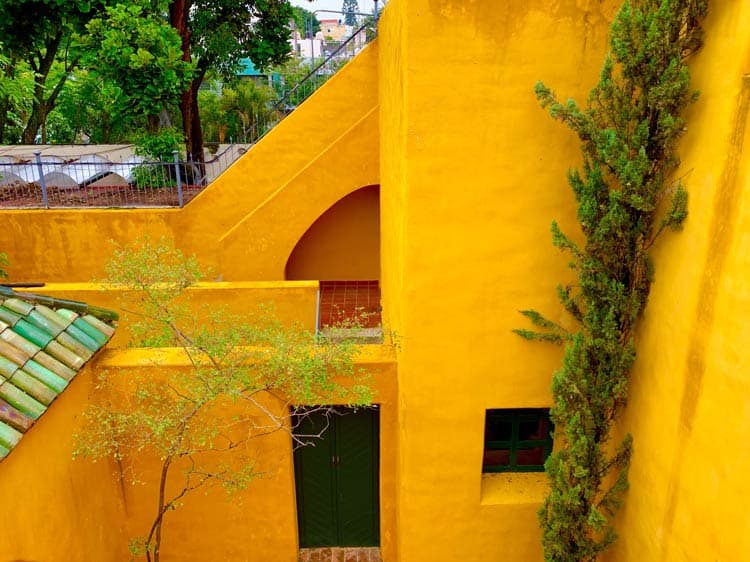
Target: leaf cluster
{"points": [[302, 20], [241, 376], [139, 55], [628, 130], [4, 263], [224, 31], [240, 112]]}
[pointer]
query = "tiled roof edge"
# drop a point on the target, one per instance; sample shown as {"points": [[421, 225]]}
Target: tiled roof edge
{"points": [[76, 306], [44, 343]]}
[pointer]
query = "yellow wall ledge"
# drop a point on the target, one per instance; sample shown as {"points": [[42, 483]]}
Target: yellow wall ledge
{"points": [[508, 488]]}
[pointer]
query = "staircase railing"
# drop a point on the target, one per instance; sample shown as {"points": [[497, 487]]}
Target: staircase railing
{"points": [[325, 69]]}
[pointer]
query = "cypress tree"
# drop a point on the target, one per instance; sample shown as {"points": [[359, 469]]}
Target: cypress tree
{"points": [[626, 197], [350, 9]]}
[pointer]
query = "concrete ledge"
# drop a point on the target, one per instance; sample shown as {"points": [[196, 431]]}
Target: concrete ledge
{"points": [[505, 488], [161, 357]]}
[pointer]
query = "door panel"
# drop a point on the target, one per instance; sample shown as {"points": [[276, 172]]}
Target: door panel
{"points": [[336, 479], [358, 478], [316, 489]]}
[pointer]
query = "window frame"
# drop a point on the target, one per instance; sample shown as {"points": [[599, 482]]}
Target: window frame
{"points": [[516, 416]]}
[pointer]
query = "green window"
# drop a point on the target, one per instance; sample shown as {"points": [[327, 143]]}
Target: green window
{"points": [[516, 440]]}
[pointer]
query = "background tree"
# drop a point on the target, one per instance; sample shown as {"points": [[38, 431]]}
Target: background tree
{"points": [[251, 104], [302, 19], [41, 33], [628, 132], [16, 91], [216, 34], [139, 56], [244, 375], [88, 110], [350, 9]]}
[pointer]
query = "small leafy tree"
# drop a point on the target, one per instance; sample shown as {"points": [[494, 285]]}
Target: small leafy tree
{"points": [[16, 91], [628, 132], [243, 376]]}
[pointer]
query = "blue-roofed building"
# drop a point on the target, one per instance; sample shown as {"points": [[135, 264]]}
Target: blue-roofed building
{"points": [[248, 71]]}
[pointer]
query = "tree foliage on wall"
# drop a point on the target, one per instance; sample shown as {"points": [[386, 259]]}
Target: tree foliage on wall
{"points": [[626, 198], [199, 423]]}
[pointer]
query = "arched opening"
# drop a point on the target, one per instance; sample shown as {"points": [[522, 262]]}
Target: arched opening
{"points": [[343, 244], [341, 249]]}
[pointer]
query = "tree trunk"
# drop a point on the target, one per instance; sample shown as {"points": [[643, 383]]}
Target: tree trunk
{"points": [[152, 123], [195, 140], [179, 13], [41, 106], [35, 118], [153, 541]]}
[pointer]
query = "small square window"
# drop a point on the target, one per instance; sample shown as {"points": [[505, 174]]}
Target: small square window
{"points": [[516, 440]]}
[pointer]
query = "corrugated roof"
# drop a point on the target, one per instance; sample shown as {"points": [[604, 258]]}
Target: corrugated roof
{"points": [[44, 342]]}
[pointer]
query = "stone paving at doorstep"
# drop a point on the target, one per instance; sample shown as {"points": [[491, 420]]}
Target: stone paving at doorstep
{"points": [[340, 554]]}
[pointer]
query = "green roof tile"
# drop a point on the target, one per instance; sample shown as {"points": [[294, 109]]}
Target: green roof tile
{"points": [[51, 315], [21, 401], [21, 343], [44, 323], [44, 342], [99, 337], [12, 417], [8, 316], [27, 330], [9, 437]]}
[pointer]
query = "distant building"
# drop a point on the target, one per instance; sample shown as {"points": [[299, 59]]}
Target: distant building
{"points": [[333, 30], [248, 71], [305, 47]]}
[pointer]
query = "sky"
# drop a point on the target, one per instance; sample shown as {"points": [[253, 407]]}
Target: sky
{"points": [[364, 5]]}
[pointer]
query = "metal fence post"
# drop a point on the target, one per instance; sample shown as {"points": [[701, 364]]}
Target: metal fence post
{"points": [[45, 200], [180, 200]]}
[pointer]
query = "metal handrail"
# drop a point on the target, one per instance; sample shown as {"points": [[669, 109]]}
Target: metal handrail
{"points": [[279, 105]]}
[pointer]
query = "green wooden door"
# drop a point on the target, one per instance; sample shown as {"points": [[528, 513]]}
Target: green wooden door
{"points": [[336, 478]]}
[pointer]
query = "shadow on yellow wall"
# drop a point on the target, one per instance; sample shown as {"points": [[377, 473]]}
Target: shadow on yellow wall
{"points": [[343, 244]]}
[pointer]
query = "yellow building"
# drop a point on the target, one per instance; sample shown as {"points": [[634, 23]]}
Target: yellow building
{"points": [[333, 30], [429, 167]]}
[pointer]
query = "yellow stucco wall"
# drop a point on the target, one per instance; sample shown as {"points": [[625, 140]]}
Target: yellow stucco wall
{"points": [[689, 410], [343, 244], [472, 173], [55, 508], [246, 223]]}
